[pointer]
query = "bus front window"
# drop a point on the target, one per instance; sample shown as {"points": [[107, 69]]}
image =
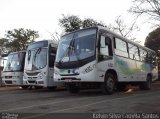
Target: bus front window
{"points": [[14, 62], [36, 59], [76, 46]]}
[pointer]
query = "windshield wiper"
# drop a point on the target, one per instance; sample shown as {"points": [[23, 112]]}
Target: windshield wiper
{"points": [[65, 54], [69, 50], [37, 52], [29, 55]]}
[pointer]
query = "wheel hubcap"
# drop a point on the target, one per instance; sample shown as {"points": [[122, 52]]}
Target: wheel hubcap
{"points": [[110, 84]]}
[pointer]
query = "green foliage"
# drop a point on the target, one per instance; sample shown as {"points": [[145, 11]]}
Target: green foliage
{"points": [[153, 40], [91, 22], [71, 23], [3, 42], [18, 39]]}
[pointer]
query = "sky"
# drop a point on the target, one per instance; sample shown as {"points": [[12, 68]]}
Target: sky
{"points": [[43, 15]]}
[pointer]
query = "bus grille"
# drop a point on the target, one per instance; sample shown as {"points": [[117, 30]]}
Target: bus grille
{"points": [[31, 81], [8, 82]]}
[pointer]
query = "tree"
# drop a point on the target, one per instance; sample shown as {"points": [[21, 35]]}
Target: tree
{"points": [[151, 8], [72, 23], [153, 42], [18, 39], [123, 29], [3, 43], [55, 36], [88, 22]]}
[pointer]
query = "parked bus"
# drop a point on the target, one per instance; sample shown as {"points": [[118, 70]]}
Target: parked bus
{"points": [[98, 57], [39, 64], [3, 60], [13, 70]]}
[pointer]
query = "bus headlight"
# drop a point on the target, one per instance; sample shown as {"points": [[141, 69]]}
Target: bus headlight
{"points": [[40, 76], [56, 72], [24, 76], [75, 71]]}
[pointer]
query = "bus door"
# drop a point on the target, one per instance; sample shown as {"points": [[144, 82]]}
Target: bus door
{"points": [[105, 54]]}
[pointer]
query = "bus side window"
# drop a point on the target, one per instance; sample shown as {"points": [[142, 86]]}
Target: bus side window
{"points": [[133, 52], [154, 59], [121, 48], [105, 47]]}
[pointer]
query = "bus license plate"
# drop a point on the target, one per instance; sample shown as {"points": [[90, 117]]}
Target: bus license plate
{"points": [[68, 80]]}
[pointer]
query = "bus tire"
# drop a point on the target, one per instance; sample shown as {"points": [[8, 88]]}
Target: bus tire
{"points": [[73, 88], [24, 87], [108, 86], [146, 85]]}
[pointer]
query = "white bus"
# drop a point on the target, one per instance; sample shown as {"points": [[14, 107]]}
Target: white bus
{"points": [[13, 71], [98, 57], [39, 64]]}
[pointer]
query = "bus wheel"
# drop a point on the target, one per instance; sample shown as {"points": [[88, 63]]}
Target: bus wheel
{"points": [[24, 87], [146, 85], [73, 88], [108, 87]]}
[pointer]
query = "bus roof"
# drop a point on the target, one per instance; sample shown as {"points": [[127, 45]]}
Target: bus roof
{"points": [[22, 51], [49, 41]]}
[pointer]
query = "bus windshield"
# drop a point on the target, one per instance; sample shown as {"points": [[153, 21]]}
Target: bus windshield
{"points": [[36, 59], [76, 46], [15, 62]]}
